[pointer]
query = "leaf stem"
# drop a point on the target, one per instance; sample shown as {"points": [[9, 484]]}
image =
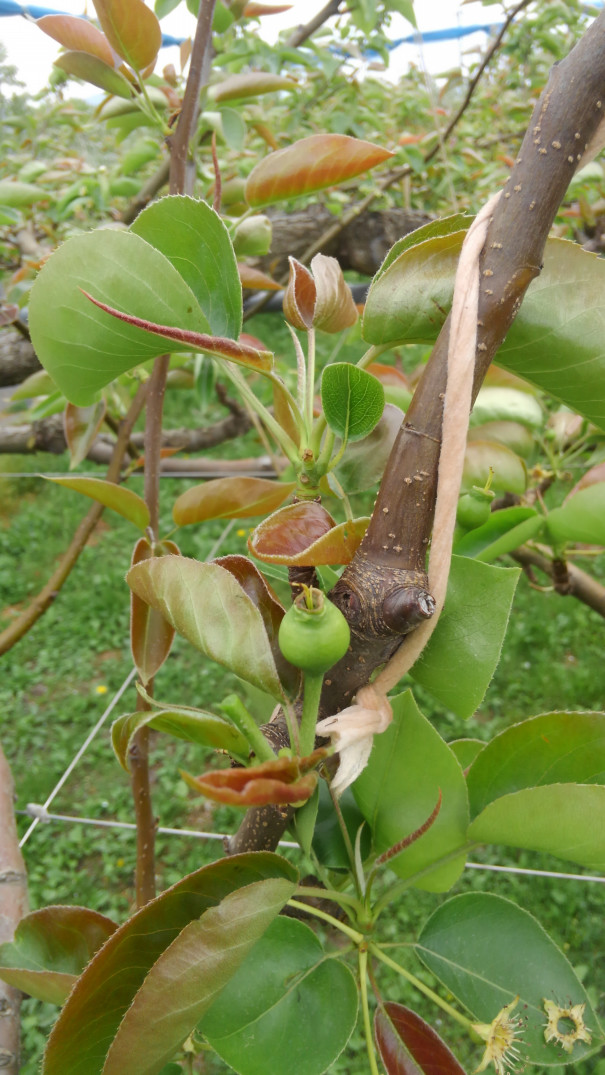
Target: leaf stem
{"points": [[375, 950], [356, 937], [285, 442], [310, 385], [234, 708], [367, 1023], [399, 888]]}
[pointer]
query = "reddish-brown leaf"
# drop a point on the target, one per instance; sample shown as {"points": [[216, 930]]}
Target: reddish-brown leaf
{"points": [[255, 279], [409, 1046], [132, 30], [230, 498], [255, 10], [81, 425], [283, 413], [79, 34], [322, 160], [9, 312], [305, 535], [270, 607], [593, 476], [299, 296], [151, 635], [219, 346], [285, 780], [334, 306]]}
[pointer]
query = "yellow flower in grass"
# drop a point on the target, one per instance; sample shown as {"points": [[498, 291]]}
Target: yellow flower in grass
{"points": [[564, 1037], [101, 689], [501, 1037]]}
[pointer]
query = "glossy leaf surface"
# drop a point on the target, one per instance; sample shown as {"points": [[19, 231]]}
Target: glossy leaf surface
{"points": [[128, 994], [504, 531], [195, 240], [305, 534], [206, 605], [352, 400], [335, 309], [117, 497], [193, 725], [83, 348], [151, 636], [271, 1018], [230, 498], [397, 791], [549, 749], [50, 949], [487, 951], [78, 34], [557, 818], [409, 1046], [497, 404], [92, 69], [555, 340], [81, 425], [461, 656], [485, 459], [322, 160], [581, 518], [131, 29]]}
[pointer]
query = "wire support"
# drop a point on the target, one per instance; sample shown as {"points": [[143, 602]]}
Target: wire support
{"points": [[534, 873], [89, 738]]}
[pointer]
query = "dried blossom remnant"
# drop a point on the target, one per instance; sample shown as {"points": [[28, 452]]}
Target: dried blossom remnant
{"points": [[352, 733], [574, 1014], [501, 1036]]}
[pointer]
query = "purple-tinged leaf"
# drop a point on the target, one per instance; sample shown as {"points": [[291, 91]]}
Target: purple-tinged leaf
{"points": [[230, 498], [305, 534], [409, 1046], [334, 306], [299, 296], [151, 636]]}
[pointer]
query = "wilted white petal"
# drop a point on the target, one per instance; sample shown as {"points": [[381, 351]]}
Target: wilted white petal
{"points": [[352, 732]]}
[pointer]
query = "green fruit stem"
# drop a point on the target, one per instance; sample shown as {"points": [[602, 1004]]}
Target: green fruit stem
{"points": [[312, 693]]}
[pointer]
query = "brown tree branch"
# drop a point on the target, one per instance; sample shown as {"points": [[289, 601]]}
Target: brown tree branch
{"points": [[13, 905], [578, 583], [302, 33], [147, 193], [26, 619], [18, 359]]}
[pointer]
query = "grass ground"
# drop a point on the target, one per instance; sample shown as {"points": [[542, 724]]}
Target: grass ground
{"points": [[57, 681]]}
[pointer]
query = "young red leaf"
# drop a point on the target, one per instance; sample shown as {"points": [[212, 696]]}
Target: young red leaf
{"points": [[151, 635], [299, 296], [305, 535], [256, 280], [409, 1046], [285, 780], [334, 306], [219, 346], [132, 30], [79, 34], [230, 498], [255, 10], [322, 160]]}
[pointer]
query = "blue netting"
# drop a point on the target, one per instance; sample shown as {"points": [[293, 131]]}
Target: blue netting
{"points": [[10, 7]]}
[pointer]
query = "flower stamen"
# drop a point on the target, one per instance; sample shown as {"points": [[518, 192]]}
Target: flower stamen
{"points": [[574, 1013], [501, 1036]]}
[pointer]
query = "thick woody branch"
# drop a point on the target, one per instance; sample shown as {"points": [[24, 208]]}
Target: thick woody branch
{"points": [[564, 121], [13, 905]]}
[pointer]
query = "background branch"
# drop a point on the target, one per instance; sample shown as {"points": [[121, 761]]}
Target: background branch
{"points": [[13, 905]]}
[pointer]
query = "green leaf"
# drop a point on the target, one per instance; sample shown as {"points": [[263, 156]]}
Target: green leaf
{"points": [[117, 497], [363, 463], [164, 7], [50, 949], [131, 29], [580, 519], [462, 654], [328, 842], [352, 400], [304, 819], [497, 404], [91, 69], [487, 951], [249, 84], [322, 160], [271, 1017], [404, 7], [504, 531], [151, 637], [553, 748], [15, 194], [193, 725], [195, 240], [145, 990], [555, 340], [557, 818], [206, 604], [84, 348], [466, 750], [397, 791], [488, 460]]}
